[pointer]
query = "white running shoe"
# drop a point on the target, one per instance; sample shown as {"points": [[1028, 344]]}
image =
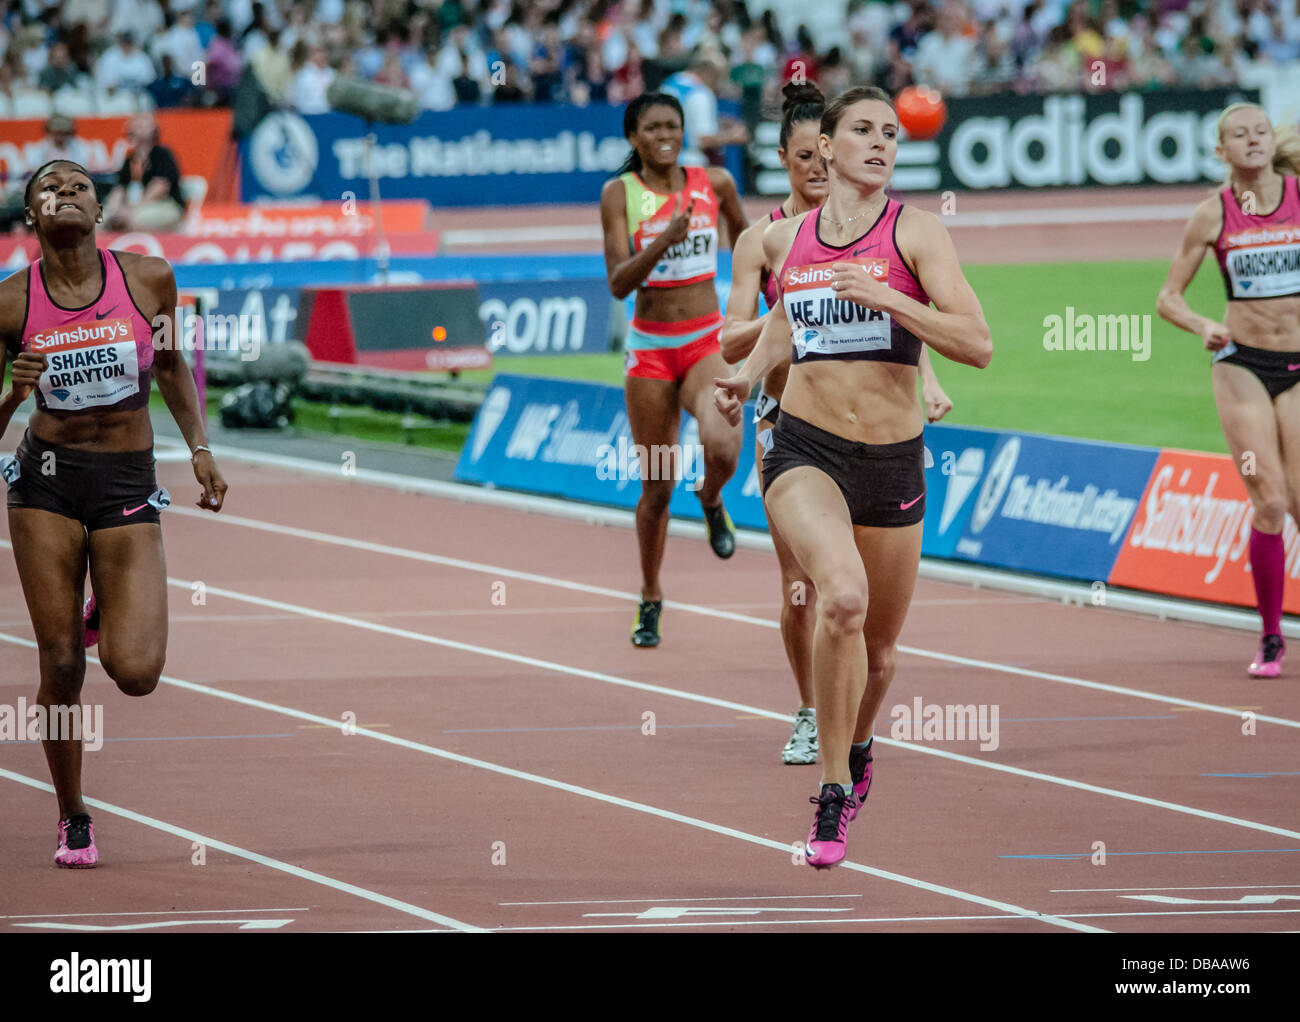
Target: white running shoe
{"points": [[802, 748]]}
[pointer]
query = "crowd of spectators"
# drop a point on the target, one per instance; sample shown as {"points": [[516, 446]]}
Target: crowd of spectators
{"points": [[79, 56]]}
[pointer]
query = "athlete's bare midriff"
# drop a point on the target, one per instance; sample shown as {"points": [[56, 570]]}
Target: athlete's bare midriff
{"points": [[1269, 323], [870, 402], [675, 304], [123, 430]]}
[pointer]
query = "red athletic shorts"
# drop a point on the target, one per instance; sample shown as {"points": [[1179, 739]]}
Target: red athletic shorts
{"points": [[699, 340]]}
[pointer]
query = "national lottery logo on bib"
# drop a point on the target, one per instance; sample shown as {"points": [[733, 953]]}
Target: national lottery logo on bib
{"points": [[88, 364], [822, 323]]}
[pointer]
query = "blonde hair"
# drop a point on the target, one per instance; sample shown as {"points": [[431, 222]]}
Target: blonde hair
{"points": [[1286, 159]]}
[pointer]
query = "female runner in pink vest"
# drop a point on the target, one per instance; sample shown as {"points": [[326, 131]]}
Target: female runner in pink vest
{"points": [[661, 240], [845, 476], [86, 328], [1252, 225], [801, 116]]}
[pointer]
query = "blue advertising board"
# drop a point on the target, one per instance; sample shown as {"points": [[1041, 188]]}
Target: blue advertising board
{"points": [[1042, 504], [572, 440], [547, 317], [959, 457], [540, 317], [1054, 506], [466, 156]]}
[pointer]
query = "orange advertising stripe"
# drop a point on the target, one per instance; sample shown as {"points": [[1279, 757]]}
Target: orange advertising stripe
{"points": [[1190, 535], [247, 220], [197, 138]]}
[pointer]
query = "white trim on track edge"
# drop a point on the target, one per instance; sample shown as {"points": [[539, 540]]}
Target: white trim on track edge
{"points": [[1076, 594], [243, 853], [573, 789]]}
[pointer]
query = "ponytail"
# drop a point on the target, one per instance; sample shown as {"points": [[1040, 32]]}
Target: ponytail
{"points": [[1287, 158], [803, 102]]}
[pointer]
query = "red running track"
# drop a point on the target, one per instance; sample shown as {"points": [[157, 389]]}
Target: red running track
{"points": [[500, 776]]}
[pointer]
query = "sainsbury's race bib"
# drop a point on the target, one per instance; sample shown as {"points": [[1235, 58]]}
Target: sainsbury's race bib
{"points": [[696, 256], [1264, 262], [824, 325], [88, 364]]}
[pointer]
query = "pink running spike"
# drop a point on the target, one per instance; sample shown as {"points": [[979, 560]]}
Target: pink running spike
{"points": [[75, 858], [1268, 661], [860, 789], [823, 853]]}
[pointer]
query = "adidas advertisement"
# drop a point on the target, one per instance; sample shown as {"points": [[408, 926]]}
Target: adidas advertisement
{"points": [[1056, 141]]}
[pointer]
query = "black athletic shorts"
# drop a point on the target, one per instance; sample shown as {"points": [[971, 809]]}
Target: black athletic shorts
{"points": [[1278, 371], [883, 484], [100, 489]]}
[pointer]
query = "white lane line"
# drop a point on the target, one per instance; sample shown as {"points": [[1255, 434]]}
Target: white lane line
{"points": [[243, 853], [165, 912], [572, 789], [1113, 890], [611, 679], [1193, 912], [691, 924], [674, 901], [935, 569], [732, 922], [497, 571]]}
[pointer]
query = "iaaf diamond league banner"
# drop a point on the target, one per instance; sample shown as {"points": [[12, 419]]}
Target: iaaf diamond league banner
{"points": [[1010, 141]]}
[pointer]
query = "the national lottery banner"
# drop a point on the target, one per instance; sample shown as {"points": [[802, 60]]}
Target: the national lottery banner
{"points": [[1170, 522]]}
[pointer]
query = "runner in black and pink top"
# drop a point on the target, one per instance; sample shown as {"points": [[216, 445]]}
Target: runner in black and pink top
{"points": [[845, 476], [1252, 225], [801, 116], [86, 329]]}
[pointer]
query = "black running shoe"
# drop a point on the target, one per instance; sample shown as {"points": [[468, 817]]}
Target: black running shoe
{"points": [[860, 764], [722, 534], [646, 631]]}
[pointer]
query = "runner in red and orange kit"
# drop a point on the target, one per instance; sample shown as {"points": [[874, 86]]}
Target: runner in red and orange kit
{"points": [[661, 224]]}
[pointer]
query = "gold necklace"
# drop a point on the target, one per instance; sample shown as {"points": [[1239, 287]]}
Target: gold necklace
{"points": [[845, 223]]}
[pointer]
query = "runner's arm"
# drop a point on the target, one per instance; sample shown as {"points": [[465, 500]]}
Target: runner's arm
{"points": [[729, 209], [955, 327], [626, 273], [741, 327], [1171, 304]]}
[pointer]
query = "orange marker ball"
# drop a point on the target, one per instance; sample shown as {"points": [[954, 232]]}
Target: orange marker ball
{"points": [[921, 111], [439, 333]]}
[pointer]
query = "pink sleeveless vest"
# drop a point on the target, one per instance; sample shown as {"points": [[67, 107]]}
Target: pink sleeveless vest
{"points": [[98, 357]]}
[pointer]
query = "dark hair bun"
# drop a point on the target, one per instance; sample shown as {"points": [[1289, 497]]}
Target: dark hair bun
{"points": [[799, 93]]}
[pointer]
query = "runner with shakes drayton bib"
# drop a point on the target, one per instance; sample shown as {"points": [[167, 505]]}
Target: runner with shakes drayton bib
{"points": [[845, 476], [661, 240], [801, 116], [1252, 225], [80, 326]]}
